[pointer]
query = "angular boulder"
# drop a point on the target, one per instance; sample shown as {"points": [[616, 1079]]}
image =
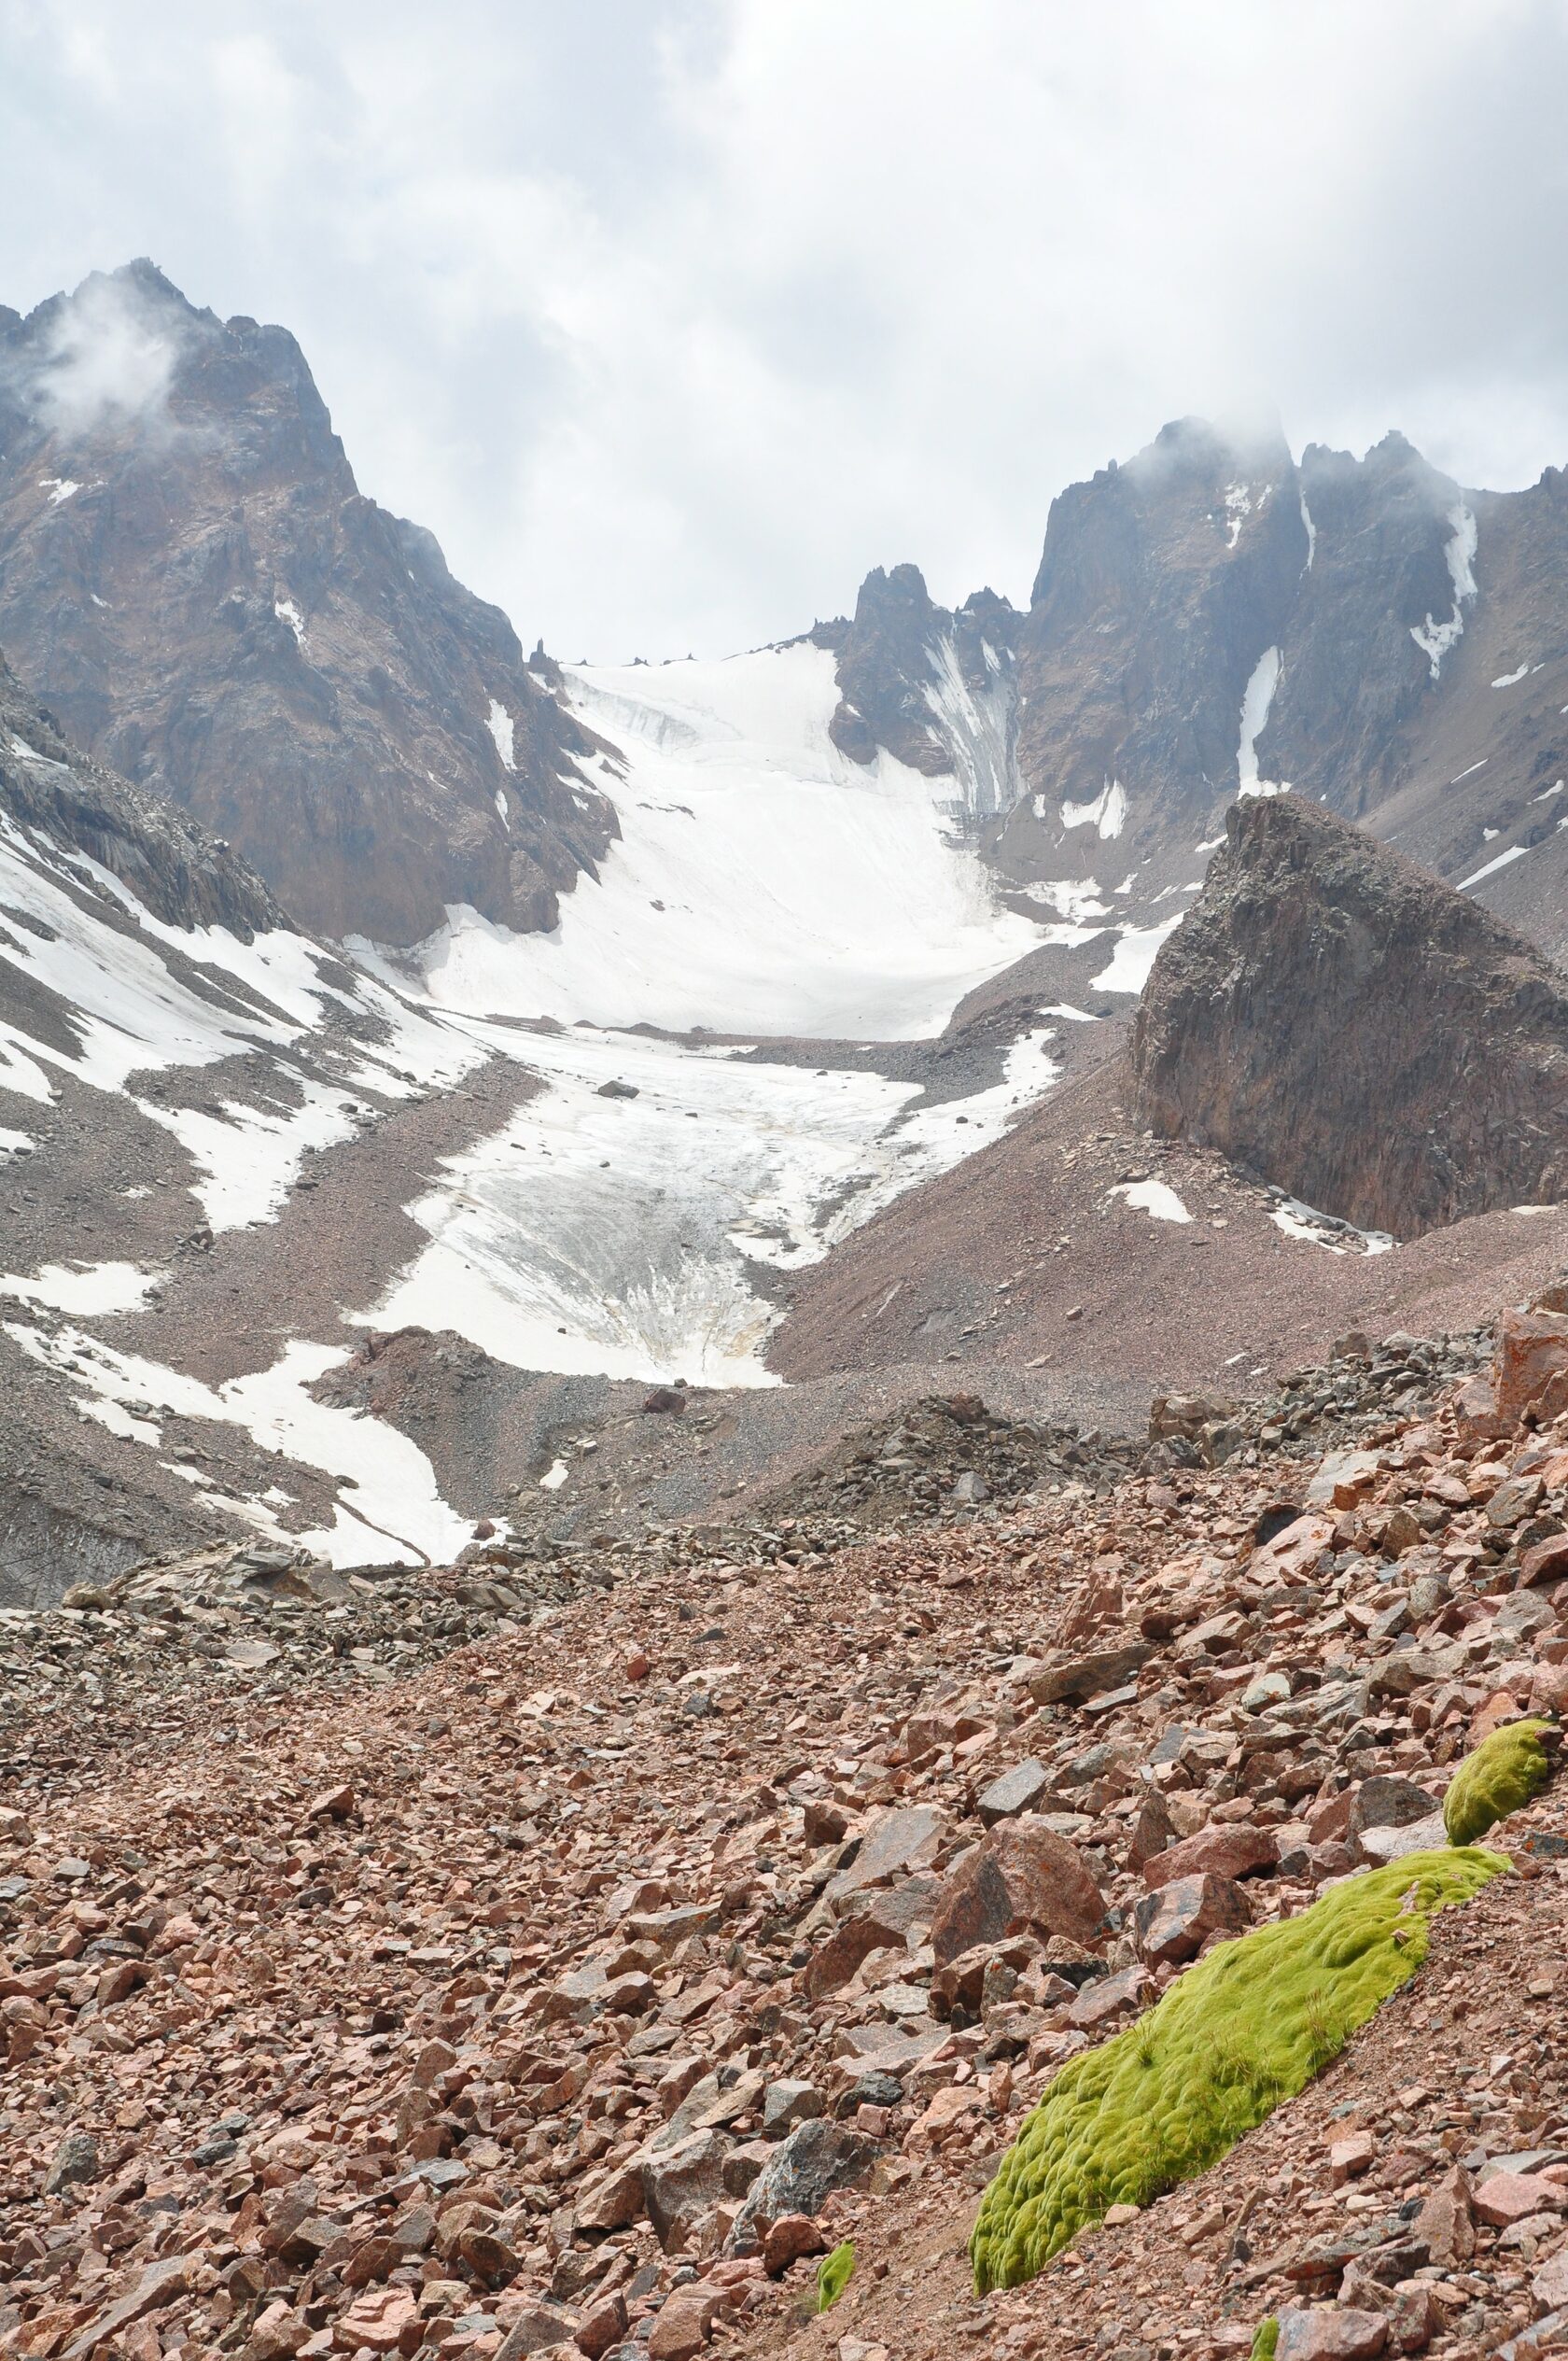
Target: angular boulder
{"points": [[1020, 1877], [1177, 1919]]}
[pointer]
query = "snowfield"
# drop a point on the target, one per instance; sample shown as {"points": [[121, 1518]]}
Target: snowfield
{"points": [[763, 884]]}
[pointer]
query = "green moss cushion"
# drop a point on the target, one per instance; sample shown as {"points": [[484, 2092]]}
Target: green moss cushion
{"points": [[1504, 1773], [1247, 2026]]}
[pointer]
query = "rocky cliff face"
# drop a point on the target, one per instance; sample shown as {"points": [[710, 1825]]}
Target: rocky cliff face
{"points": [[1212, 618], [184, 877], [1356, 1032], [193, 580]]}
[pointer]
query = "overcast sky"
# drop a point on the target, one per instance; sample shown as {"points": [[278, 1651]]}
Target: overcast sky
{"points": [[670, 317]]}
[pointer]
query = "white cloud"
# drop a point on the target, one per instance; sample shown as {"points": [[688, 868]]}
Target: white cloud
{"points": [[672, 316], [111, 354]]}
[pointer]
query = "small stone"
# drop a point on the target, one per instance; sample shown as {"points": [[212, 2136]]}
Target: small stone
{"points": [[334, 1803], [1176, 1921], [1016, 1790], [603, 2325], [787, 2240], [684, 2323], [538, 2329], [74, 2159], [1348, 2158]]}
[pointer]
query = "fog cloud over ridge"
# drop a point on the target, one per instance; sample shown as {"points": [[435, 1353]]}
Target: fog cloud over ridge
{"points": [[670, 317]]}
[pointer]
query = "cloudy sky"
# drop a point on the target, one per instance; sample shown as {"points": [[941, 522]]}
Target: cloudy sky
{"points": [[670, 317]]}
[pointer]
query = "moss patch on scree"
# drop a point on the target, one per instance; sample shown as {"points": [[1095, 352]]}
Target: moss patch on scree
{"points": [[1504, 1773], [1246, 2028]]}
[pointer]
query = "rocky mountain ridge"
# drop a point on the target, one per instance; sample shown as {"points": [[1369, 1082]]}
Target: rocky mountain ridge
{"points": [[1213, 616], [193, 583]]}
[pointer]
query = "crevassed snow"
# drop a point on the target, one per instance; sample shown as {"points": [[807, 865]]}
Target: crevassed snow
{"points": [[1107, 814], [762, 881], [1133, 957], [1256, 699], [1515, 852], [286, 612], [499, 723], [614, 1234], [1156, 1196], [1435, 638], [97, 1286], [1507, 680]]}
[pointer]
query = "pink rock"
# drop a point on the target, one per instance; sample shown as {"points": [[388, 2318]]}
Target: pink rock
{"points": [[1018, 1877], [375, 2321], [1226, 1850], [1338, 2335], [1532, 1366], [1503, 2198]]}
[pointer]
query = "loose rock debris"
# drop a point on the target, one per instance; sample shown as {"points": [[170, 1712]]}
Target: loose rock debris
{"points": [[579, 1977]]}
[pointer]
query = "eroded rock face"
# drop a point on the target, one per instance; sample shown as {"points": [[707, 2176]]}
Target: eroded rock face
{"points": [[1364, 1037], [194, 585], [181, 875]]}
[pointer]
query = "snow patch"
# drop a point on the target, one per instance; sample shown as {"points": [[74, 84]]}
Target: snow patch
{"points": [[555, 1477], [977, 725], [60, 488], [1071, 898], [1435, 638], [1311, 532], [1256, 699], [1154, 1196], [1507, 680], [286, 612], [1134, 956], [1335, 1237], [90, 1287], [1488, 869], [498, 722], [1107, 814], [1472, 770]]}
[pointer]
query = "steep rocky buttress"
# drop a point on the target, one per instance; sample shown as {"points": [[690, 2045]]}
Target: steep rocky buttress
{"points": [[1354, 1030]]}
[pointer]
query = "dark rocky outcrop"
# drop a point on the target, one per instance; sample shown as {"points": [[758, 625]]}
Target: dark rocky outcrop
{"points": [[883, 664], [193, 580], [1355, 1031], [182, 875]]}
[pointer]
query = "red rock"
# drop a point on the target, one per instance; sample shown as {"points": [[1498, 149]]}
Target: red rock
{"points": [[1543, 1562], [277, 2333], [1020, 1876], [603, 2325], [1110, 1996], [1447, 2221], [158, 2285], [1337, 2335], [684, 2323], [1224, 1848], [1549, 2286], [1348, 2158], [788, 2240], [334, 1802], [1177, 1919], [375, 2321], [1503, 2198], [538, 2328], [1532, 1364]]}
